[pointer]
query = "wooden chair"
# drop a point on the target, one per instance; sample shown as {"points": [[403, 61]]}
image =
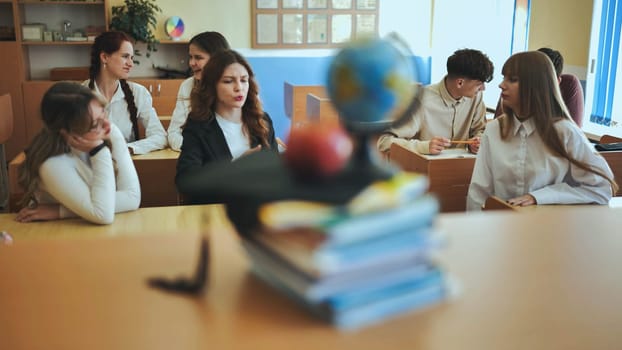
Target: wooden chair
{"points": [[496, 203], [6, 131]]}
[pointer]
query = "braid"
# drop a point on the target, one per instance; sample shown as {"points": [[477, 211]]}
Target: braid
{"points": [[131, 107]]}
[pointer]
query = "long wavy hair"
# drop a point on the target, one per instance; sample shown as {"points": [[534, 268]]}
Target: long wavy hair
{"points": [[109, 43], [541, 100], [204, 99], [65, 106]]}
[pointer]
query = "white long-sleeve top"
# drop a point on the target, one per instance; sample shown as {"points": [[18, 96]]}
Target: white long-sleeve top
{"points": [[523, 165], [155, 135], [180, 114], [93, 188]]}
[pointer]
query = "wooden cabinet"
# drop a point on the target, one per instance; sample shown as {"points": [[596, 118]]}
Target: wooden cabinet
{"points": [[163, 92], [62, 20]]}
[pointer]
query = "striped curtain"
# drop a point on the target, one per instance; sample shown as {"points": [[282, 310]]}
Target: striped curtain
{"points": [[607, 62]]}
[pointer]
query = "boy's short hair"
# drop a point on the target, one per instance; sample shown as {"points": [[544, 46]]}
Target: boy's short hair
{"points": [[556, 57], [470, 64]]}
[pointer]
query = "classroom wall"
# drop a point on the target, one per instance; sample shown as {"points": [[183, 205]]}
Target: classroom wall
{"points": [[230, 17], [561, 24], [565, 26], [273, 67]]}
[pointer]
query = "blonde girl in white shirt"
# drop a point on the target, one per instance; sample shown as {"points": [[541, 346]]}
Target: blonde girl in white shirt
{"points": [[78, 164], [534, 153]]}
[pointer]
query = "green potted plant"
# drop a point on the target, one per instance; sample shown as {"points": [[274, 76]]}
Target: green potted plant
{"points": [[137, 18]]}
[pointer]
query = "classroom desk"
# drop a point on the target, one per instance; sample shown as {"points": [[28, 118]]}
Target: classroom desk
{"points": [[614, 159], [449, 173], [320, 108], [185, 219], [295, 98], [156, 172], [542, 280], [496, 203]]}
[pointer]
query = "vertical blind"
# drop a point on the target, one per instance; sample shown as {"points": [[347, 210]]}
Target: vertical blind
{"points": [[606, 62]]}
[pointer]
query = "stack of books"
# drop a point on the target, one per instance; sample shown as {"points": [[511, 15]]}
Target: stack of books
{"points": [[357, 264]]}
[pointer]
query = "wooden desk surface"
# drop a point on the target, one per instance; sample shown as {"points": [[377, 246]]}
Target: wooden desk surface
{"points": [[144, 221], [543, 280], [166, 153]]}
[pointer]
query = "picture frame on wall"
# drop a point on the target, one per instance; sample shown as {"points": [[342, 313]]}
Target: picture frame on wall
{"points": [[33, 32]]}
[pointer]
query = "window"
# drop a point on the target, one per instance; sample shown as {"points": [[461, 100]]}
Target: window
{"points": [[603, 109], [311, 23], [498, 28]]}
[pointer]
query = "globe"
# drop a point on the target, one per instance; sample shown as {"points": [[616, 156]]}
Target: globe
{"points": [[371, 83]]}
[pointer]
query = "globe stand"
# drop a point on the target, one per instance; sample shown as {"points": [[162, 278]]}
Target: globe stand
{"points": [[365, 163]]}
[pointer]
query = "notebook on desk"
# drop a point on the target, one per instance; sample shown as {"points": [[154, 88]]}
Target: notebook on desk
{"points": [[616, 146], [451, 153]]}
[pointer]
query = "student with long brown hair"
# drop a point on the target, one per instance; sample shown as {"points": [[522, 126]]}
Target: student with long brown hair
{"points": [[226, 119], [130, 103], [78, 164], [534, 153], [200, 48]]}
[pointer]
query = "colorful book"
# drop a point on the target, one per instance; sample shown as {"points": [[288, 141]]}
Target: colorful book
{"points": [[316, 290], [356, 308], [303, 249], [380, 196], [340, 228]]}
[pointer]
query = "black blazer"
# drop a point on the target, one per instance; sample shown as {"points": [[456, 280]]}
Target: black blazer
{"points": [[204, 146]]}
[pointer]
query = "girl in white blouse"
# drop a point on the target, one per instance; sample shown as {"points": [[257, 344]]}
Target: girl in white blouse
{"points": [[129, 103], [201, 47], [534, 153], [78, 164]]}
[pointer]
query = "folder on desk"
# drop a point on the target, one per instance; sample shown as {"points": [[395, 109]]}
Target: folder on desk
{"points": [[616, 146]]}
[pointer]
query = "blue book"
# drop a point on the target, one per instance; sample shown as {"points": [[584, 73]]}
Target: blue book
{"points": [[298, 249], [383, 309], [316, 290], [344, 228], [358, 308]]}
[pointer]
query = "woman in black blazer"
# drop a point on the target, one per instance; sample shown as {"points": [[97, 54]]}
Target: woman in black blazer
{"points": [[226, 120]]}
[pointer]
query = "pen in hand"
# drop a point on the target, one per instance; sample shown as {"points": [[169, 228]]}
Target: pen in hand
{"points": [[466, 142]]}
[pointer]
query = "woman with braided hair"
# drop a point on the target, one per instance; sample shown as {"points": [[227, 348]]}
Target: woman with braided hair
{"points": [[129, 103]]}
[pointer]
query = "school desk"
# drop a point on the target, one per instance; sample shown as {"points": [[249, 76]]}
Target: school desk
{"points": [[449, 173], [320, 108], [295, 98], [156, 172], [182, 219], [543, 280], [496, 203], [614, 159]]}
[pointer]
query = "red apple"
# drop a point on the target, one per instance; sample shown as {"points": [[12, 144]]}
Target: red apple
{"points": [[317, 150]]}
